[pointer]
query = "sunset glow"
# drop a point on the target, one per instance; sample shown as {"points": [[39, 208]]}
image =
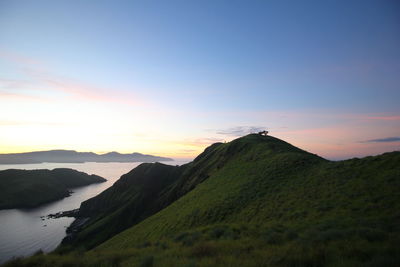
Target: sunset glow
{"points": [[160, 87]]}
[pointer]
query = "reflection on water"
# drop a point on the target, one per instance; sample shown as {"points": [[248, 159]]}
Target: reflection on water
{"points": [[23, 231]]}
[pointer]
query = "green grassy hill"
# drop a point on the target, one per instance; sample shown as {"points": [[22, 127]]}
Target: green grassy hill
{"points": [[150, 187], [31, 188], [258, 201]]}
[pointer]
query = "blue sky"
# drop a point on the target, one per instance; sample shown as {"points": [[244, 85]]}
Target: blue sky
{"points": [[168, 77]]}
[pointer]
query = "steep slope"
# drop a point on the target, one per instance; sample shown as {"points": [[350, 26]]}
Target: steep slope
{"points": [[272, 204], [151, 187], [30, 188], [234, 182], [353, 191], [138, 194], [131, 199], [258, 201]]}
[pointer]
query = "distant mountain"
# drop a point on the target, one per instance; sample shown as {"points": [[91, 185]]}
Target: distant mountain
{"points": [[31, 188], [71, 156]]}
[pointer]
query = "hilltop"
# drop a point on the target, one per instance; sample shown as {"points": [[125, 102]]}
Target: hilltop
{"points": [[255, 201], [71, 156], [31, 188], [150, 187]]}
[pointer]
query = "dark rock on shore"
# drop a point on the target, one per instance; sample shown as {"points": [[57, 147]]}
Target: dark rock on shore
{"points": [[68, 213]]}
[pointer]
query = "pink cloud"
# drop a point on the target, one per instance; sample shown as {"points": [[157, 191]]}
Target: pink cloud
{"points": [[22, 97], [318, 132], [384, 118], [19, 59], [78, 90], [201, 142], [37, 78], [82, 90], [343, 139], [13, 84]]}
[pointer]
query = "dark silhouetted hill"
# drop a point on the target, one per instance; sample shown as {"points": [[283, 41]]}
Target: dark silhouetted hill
{"points": [[31, 188]]}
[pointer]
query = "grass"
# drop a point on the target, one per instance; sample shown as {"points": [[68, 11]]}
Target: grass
{"points": [[258, 201], [250, 246]]}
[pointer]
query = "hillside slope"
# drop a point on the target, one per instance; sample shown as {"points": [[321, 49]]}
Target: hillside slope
{"points": [[132, 198], [30, 188], [258, 201], [151, 187], [267, 196]]}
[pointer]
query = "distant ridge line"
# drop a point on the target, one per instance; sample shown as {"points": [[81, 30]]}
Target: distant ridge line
{"points": [[72, 156]]}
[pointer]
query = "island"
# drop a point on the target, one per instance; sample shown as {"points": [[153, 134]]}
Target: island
{"points": [[31, 188], [72, 156]]}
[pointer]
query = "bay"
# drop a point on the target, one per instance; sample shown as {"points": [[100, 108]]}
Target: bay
{"points": [[24, 232]]}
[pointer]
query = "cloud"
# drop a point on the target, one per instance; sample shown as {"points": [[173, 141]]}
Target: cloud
{"points": [[38, 79], [20, 96], [188, 150], [7, 84], [17, 58], [24, 123], [240, 130], [384, 118], [383, 140], [203, 141], [80, 90]]}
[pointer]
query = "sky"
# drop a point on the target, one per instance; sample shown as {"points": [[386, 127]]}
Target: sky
{"points": [[172, 77]]}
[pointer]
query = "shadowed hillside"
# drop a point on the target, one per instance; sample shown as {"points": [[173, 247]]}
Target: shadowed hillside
{"points": [[30, 188], [255, 201]]}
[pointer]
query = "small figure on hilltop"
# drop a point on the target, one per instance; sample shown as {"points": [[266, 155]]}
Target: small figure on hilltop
{"points": [[263, 133]]}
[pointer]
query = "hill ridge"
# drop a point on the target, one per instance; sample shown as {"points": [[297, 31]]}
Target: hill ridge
{"points": [[255, 201], [184, 179], [72, 156]]}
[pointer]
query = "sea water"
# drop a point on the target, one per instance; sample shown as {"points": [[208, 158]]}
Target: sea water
{"points": [[25, 231]]}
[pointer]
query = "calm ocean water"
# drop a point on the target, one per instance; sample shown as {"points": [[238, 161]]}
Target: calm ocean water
{"points": [[23, 232]]}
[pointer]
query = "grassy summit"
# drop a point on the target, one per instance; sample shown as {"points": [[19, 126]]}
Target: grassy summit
{"points": [[256, 201], [30, 188], [150, 187]]}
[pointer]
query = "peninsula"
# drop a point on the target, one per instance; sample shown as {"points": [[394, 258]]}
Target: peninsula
{"points": [[31, 188]]}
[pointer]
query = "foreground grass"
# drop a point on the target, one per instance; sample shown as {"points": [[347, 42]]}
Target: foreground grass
{"points": [[246, 245]]}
